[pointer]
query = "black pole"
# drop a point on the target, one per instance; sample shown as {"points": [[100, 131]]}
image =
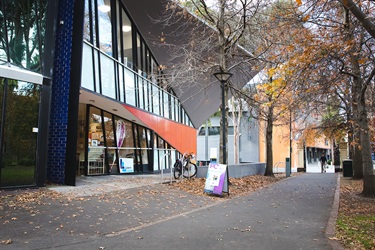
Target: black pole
{"points": [[224, 143], [290, 140], [223, 109]]}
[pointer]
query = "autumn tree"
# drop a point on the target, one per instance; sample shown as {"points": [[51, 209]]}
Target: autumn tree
{"points": [[347, 53]]}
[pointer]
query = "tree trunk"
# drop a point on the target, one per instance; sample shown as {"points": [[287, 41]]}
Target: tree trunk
{"points": [[269, 154], [223, 66], [368, 172], [236, 118], [360, 86], [350, 139], [356, 89], [357, 156], [336, 154]]}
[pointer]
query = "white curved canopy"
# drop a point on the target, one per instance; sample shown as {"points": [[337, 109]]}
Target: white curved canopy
{"points": [[200, 101]]}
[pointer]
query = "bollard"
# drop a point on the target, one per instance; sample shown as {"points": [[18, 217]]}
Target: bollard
{"points": [[287, 167]]}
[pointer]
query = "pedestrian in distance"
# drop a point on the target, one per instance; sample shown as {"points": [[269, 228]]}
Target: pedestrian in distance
{"points": [[323, 162]]}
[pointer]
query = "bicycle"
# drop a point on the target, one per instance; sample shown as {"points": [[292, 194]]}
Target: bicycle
{"points": [[185, 167]]}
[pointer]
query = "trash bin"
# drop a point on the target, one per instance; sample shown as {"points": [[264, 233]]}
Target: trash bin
{"points": [[347, 168]]}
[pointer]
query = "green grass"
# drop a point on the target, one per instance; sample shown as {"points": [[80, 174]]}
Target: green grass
{"points": [[357, 230], [17, 176]]}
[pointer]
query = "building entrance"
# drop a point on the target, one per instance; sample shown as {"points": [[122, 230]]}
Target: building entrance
{"points": [[108, 144]]}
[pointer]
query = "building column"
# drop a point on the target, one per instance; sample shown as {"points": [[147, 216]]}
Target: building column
{"points": [[65, 93]]}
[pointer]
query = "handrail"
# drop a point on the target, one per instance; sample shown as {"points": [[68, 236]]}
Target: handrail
{"points": [[161, 161], [277, 165]]}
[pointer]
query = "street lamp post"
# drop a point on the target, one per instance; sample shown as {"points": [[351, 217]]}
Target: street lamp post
{"points": [[223, 77]]}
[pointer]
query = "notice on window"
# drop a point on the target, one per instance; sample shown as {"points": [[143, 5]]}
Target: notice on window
{"points": [[216, 179], [126, 165]]}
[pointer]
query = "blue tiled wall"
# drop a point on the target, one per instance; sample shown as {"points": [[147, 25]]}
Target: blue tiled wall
{"points": [[60, 93]]}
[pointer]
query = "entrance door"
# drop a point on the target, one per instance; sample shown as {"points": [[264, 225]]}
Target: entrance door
{"points": [[19, 103]]}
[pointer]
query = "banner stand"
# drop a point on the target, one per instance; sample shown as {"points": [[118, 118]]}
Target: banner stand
{"points": [[217, 179]]}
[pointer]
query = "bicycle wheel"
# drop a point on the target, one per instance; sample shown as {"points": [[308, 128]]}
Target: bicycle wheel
{"points": [[176, 173], [190, 170]]}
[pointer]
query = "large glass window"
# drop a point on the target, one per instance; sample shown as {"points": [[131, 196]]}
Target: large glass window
{"points": [[20, 132], [25, 28], [125, 143]]}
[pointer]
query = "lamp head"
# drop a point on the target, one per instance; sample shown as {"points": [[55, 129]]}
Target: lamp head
{"points": [[223, 76]]}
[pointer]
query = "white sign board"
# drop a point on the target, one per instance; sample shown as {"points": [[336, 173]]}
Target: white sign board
{"points": [[126, 165]]}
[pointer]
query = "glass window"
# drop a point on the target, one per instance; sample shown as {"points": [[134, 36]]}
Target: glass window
{"points": [[141, 93], [87, 21], [129, 87], [125, 142], [154, 70], [25, 23], [214, 131], [148, 64], [156, 154], [156, 100], [230, 130], [139, 54], [143, 60], [87, 68], [20, 139], [107, 76], [125, 40], [166, 104], [108, 128], [121, 94], [202, 131], [110, 143], [105, 26], [95, 128], [143, 144], [150, 98], [96, 66], [177, 108], [96, 150], [171, 108], [182, 115], [146, 95]]}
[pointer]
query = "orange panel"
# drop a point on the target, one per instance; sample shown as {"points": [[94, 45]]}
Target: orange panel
{"points": [[181, 137]]}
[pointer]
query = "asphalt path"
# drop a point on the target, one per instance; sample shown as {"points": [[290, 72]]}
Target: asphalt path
{"points": [[290, 214]]}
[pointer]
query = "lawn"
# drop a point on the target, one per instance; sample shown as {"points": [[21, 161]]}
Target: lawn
{"points": [[17, 176], [355, 226]]}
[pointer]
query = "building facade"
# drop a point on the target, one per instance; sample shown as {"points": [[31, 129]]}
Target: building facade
{"points": [[208, 140], [304, 155], [83, 93]]}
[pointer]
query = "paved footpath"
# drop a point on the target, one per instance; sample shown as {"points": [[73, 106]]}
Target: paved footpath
{"points": [[290, 214]]}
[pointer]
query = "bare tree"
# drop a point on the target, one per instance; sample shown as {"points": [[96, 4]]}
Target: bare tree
{"points": [[212, 34]]}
